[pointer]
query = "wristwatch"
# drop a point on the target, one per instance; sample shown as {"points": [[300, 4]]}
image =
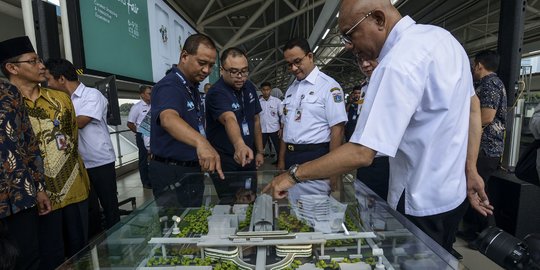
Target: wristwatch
{"points": [[292, 172]]}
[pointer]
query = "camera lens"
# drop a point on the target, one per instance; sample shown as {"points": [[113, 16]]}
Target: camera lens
{"points": [[502, 248]]}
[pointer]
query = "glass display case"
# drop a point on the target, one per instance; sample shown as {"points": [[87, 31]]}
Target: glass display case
{"points": [[205, 223]]}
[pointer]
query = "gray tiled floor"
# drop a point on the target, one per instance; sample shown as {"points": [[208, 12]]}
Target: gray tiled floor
{"points": [[129, 185]]}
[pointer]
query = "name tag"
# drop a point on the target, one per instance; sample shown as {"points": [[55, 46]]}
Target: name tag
{"points": [[245, 128], [201, 130]]}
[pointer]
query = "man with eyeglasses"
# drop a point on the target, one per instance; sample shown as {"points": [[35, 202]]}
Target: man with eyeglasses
{"points": [[233, 120], [53, 119], [314, 117], [420, 109], [177, 133]]}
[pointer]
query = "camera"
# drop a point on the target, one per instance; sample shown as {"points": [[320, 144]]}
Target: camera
{"points": [[508, 251]]}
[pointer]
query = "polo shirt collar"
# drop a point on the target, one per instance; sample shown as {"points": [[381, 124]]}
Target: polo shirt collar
{"points": [[188, 83], [396, 32]]}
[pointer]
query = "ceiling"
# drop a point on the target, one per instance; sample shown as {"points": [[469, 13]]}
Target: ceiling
{"points": [[262, 27]]}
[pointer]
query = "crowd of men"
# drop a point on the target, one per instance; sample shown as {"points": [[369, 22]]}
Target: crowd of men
{"points": [[59, 157], [417, 102]]}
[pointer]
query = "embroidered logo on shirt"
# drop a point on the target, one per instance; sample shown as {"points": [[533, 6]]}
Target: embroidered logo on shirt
{"points": [[190, 105], [235, 107], [336, 93], [251, 98], [337, 97]]}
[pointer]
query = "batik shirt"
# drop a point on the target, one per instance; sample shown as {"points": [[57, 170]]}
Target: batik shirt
{"points": [[21, 166], [492, 94], [54, 123]]}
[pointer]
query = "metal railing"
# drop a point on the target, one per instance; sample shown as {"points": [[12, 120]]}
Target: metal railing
{"points": [[125, 146]]}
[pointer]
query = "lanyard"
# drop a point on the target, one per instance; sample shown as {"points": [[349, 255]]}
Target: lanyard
{"points": [[191, 97], [243, 104]]}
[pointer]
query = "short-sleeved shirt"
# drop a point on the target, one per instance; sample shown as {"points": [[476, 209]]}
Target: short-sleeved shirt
{"points": [[95, 144], [174, 92], [244, 103], [21, 173], [416, 111], [311, 107], [270, 114], [138, 112], [53, 119], [492, 94]]}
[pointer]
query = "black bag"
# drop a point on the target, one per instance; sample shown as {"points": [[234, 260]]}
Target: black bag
{"points": [[526, 165]]}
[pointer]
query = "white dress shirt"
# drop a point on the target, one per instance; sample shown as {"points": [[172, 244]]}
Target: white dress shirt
{"points": [[138, 112], [270, 114], [95, 144], [416, 111], [320, 99]]}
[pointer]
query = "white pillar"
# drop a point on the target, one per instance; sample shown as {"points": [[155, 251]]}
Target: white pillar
{"points": [[28, 19], [65, 31]]}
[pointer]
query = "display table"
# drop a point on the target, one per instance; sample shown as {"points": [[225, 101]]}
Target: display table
{"points": [[233, 226]]}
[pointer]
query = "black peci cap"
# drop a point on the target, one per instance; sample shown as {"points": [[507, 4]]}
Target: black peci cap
{"points": [[15, 47]]}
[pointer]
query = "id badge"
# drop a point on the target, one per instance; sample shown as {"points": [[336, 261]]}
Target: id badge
{"points": [[354, 117], [61, 141], [298, 115], [245, 128], [201, 130]]}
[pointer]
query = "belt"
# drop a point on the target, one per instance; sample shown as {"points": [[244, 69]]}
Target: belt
{"points": [[305, 147], [175, 162]]}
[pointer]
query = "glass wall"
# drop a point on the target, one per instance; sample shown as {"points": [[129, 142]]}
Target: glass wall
{"points": [[123, 139]]}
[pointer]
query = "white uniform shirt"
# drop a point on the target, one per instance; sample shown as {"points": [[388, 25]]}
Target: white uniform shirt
{"points": [[95, 144], [319, 99], [270, 114], [416, 110], [138, 112]]}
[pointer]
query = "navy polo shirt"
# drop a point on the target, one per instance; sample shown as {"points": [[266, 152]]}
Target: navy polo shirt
{"points": [[352, 116], [244, 103], [176, 93]]}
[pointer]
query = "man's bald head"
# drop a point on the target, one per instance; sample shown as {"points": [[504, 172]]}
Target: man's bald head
{"points": [[376, 17]]}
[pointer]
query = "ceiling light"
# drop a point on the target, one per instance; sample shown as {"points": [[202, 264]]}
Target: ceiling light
{"points": [[316, 48], [326, 33]]}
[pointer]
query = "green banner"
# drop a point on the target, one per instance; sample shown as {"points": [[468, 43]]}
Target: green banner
{"points": [[116, 37]]}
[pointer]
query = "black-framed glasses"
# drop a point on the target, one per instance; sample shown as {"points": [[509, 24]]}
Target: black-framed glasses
{"points": [[297, 62], [346, 38], [32, 62], [235, 72]]}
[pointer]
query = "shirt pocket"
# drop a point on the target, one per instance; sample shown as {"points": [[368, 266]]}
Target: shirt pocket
{"points": [[312, 105]]}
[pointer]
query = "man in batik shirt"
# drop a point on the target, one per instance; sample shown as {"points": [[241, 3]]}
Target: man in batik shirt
{"points": [[53, 119], [22, 183]]}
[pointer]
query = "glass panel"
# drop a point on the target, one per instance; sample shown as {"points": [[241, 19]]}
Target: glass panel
{"points": [[232, 223]]}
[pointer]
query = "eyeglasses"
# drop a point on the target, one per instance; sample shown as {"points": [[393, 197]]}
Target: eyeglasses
{"points": [[346, 38], [296, 62], [32, 62], [236, 72]]}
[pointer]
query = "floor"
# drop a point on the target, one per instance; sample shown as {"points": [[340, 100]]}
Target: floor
{"points": [[129, 185]]}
